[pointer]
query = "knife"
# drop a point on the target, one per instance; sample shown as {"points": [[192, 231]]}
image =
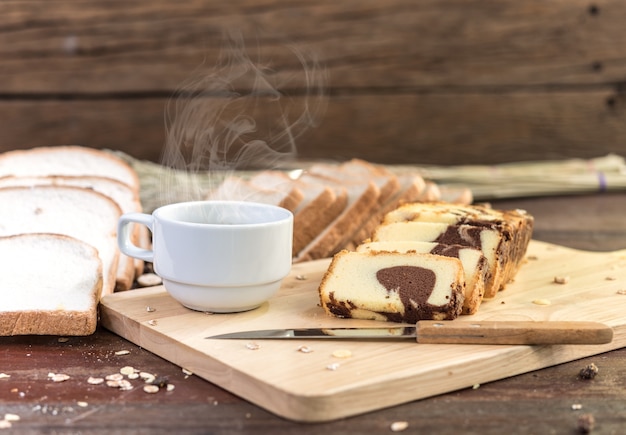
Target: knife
{"points": [[451, 332]]}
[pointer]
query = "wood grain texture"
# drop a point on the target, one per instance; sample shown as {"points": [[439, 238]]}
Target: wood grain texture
{"points": [[299, 386], [536, 402], [432, 82]]}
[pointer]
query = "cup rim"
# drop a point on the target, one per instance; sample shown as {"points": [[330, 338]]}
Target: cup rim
{"points": [[281, 214]]}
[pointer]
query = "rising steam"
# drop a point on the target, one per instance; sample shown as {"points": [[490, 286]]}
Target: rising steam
{"points": [[236, 115]]}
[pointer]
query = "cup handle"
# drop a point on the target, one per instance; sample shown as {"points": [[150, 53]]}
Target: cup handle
{"points": [[124, 232]]}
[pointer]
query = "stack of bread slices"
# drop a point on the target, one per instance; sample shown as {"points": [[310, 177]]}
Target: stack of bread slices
{"points": [[58, 229], [335, 205], [428, 261]]}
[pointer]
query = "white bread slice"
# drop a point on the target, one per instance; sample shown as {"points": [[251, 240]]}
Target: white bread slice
{"points": [[474, 264], [67, 160], [392, 286], [320, 205], [272, 180], [456, 195], [361, 202], [412, 188], [73, 211], [124, 197], [49, 285], [236, 188], [488, 240], [357, 170], [431, 192]]}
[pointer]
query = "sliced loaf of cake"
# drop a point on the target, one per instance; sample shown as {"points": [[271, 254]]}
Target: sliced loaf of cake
{"points": [[490, 242], [515, 228]]}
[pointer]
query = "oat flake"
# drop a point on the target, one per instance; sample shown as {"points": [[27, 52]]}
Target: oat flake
{"points": [[561, 279], [115, 377], [127, 370], [122, 352], [95, 381], [151, 389], [399, 426], [147, 377], [59, 377]]}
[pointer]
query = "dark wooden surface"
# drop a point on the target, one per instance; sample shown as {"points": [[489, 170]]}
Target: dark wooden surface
{"points": [[430, 82], [540, 402]]}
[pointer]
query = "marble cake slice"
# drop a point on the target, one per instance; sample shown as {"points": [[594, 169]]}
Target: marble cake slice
{"points": [[392, 286], [475, 265], [493, 245], [516, 226]]}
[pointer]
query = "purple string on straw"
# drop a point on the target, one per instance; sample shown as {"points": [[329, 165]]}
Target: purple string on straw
{"points": [[601, 181]]}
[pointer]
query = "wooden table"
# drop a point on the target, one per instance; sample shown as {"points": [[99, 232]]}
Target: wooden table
{"points": [[546, 401]]}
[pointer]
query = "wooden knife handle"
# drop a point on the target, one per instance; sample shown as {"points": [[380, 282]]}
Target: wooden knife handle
{"points": [[513, 332]]}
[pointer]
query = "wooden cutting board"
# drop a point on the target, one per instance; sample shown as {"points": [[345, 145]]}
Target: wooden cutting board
{"points": [[301, 386]]}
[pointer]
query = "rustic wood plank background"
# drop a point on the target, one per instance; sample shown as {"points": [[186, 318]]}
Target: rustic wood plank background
{"points": [[430, 81]]}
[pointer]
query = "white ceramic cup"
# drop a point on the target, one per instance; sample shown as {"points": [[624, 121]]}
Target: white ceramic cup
{"points": [[216, 256]]}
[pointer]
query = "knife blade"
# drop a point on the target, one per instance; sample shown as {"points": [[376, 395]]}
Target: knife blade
{"points": [[451, 332]]}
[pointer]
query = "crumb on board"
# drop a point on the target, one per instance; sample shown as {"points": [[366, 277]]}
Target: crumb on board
{"points": [[399, 426], [586, 423], [342, 353], [588, 372]]}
